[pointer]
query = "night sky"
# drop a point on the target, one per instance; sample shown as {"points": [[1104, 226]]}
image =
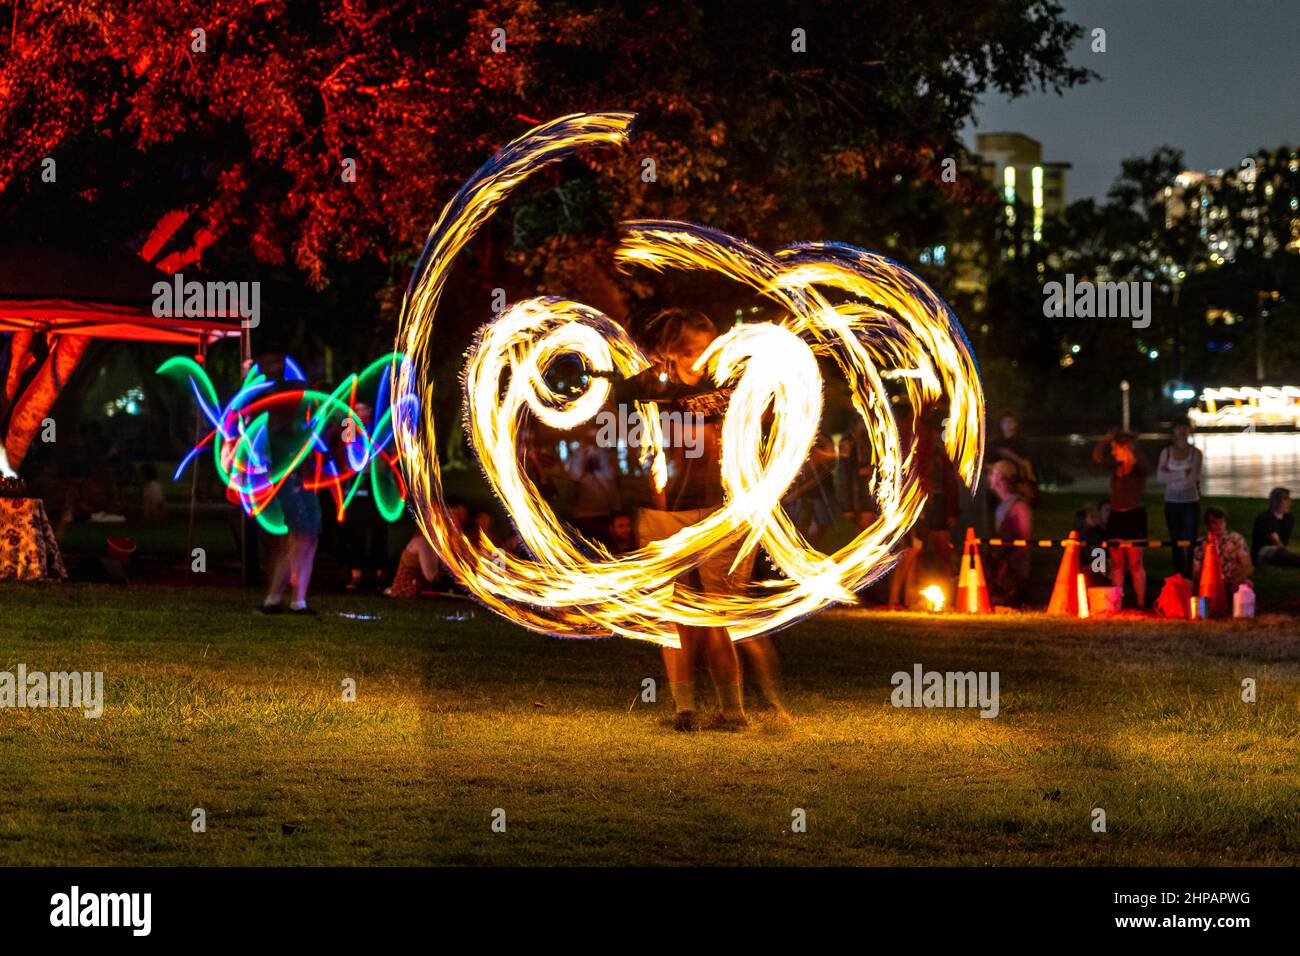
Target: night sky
{"points": [[1217, 80]]}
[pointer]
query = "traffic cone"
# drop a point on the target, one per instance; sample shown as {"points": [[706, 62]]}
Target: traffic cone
{"points": [[972, 591], [1211, 586], [1066, 596]]}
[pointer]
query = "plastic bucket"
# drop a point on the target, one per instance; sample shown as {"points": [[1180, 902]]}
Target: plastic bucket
{"points": [[1105, 600], [120, 548]]}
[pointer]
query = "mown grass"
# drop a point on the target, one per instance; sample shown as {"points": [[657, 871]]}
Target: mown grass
{"points": [[211, 705]]}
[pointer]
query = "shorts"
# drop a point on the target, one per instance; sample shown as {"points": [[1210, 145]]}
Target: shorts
{"points": [[716, 576], [1127, 524], [300, 507]]}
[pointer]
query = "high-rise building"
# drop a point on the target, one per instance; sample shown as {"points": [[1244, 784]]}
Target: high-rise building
{"points": [[1197, 196], [1013, 164]]}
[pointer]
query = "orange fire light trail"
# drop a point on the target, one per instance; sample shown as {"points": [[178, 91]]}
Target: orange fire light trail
{"points": [[858, 309]]}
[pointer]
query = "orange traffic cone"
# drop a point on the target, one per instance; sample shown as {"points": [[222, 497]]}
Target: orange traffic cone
{"points": [[1211, 585], [1066, 597], [972, 591]]}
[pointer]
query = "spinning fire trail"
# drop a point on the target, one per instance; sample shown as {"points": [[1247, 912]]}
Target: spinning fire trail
{"points": [[860, 310]]}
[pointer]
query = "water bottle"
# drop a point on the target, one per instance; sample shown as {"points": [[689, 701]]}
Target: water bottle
{"points": [[1243, 601]]}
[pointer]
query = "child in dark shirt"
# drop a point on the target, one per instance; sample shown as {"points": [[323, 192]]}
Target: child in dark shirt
{"points": [[692, 492]]}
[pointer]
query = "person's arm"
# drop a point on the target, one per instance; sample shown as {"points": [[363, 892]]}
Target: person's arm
{"points": [[1194, 475], [824, 455], [1140, 470], [649, 386], [1259, 530], [1163, 474], [1020, 461], [429, 564], [1243, 556], [1101, 450]]}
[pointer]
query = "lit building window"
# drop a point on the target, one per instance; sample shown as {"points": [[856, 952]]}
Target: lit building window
{"points": [[1037, 182]]}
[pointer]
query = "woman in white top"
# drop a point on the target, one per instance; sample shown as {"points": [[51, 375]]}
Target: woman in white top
{"points": [[1180, 471]]}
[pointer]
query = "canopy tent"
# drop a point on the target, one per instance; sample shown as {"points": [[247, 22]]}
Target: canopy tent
{"points": [[98, 295], [53, 301]]}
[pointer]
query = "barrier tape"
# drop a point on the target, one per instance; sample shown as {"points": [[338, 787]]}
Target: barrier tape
{"points": [[1110, 542]]}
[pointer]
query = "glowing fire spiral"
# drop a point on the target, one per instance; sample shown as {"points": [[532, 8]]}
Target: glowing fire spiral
{"points": [[859, 309]]}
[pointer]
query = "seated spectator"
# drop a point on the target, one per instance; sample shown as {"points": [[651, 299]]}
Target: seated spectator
{"points": [[480, 525], [1009, 564], [1271, 535], [417, 569], [621, 536], [152, 504], [1233, 554]]}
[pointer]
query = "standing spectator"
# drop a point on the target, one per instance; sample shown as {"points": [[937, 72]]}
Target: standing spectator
{"points": [[812, 500], [297, 554], [1128, 515], [596, 494], [1009, 564], [1234, 556], [856, 502], [929, 543], [1180, 472], [1011, 446], [1271, 535]]}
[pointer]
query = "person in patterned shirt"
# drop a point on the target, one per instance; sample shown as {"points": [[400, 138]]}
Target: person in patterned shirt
{"points": [[1234, 554]]}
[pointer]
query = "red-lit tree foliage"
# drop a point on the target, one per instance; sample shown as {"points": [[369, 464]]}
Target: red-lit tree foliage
{"points": [[844, 139]]}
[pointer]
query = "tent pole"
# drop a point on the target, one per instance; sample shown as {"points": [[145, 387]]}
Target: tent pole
{"points": [[194, 478], [245, 356]]}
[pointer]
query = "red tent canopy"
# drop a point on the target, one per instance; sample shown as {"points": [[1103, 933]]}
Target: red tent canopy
{"points": [[100, 295], [54, 301]]}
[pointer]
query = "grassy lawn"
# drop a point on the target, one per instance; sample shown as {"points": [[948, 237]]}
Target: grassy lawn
{"points": [[211, 705]]}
